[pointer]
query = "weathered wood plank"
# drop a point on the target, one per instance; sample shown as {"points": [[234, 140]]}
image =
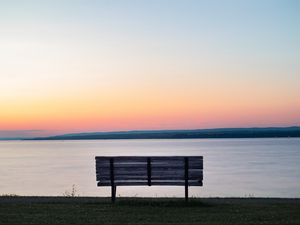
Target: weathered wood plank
{"points": [[154, 176], [105, 166], [118, 177], [175, 157], [124, 172], [153, 172], [122, 159], [178, 174], [154, 182], [175, 173], [164, 175], [104, 163], [153, 166], [141, 177], [174, 167], [154, 159]]}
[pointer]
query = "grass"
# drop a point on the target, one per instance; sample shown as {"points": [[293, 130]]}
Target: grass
{"points": [[140, 211]]}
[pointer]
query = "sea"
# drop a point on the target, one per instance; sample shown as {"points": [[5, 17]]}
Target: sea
{"points": [[256, 167]]}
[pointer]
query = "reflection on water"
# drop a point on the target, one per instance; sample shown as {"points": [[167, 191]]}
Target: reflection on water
{"points": [[232, 167]]}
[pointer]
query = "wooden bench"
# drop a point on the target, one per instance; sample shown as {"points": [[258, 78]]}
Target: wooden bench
{"points": [[155, 170]]}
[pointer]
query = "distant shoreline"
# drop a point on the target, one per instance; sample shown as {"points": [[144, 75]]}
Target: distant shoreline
{"points": [[107, 139], [267, 132]]}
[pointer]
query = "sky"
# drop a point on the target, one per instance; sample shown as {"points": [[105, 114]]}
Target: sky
{"points": [[78, 66]]}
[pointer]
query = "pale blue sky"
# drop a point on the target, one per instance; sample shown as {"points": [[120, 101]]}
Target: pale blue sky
{"points": [[244, 55]]}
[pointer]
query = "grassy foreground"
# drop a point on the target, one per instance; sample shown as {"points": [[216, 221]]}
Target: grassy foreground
{"points": [[85, 211]]}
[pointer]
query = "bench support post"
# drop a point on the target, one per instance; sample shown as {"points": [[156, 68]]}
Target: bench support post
{"points": [[149, 170], [112, 180], [113, 193], [186, 177]]}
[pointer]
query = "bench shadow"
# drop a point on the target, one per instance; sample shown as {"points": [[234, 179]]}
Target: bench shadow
{"points": [[158, 202]]}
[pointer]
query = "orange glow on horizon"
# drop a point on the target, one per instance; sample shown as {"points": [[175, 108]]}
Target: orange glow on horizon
{"points": [[77, 115]]}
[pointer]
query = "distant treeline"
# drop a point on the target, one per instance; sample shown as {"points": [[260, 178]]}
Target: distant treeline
{"points": [[181, 134]]}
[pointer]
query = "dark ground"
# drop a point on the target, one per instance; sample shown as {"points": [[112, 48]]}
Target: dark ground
{"points": [[100, 211]]}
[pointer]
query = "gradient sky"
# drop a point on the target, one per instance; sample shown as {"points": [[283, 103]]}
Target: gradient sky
{"points": [[72, 66]]}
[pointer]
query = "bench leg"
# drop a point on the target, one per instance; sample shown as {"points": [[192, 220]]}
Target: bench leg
{"points": [[186, 192], [113, 193], [186, 177]]}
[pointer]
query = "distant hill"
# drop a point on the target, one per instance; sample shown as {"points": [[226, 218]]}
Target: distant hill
{"points": [[10, 139], [267, 132]]}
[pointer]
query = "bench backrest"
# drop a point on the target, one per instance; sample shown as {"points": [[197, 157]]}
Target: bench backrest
{"points": [[154, 170]]}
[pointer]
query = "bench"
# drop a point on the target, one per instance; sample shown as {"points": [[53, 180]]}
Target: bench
{"points": [[153, 170]]}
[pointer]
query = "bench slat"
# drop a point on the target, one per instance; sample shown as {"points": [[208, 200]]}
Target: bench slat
{"points": [[124, 166], [161, 175], [143, 157], [124, 172], [122, 177], [175, 159], [153, 165], [122, 159], [143, 171], [154, 159], [131, 178], [175, 166], [145, 183], [177, 173]]}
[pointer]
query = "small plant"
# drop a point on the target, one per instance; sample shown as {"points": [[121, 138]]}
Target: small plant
{"points": [[73, 193], [249, 196]]}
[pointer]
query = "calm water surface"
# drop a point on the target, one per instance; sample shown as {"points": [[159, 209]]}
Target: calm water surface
{"points": [[232, 167]]}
